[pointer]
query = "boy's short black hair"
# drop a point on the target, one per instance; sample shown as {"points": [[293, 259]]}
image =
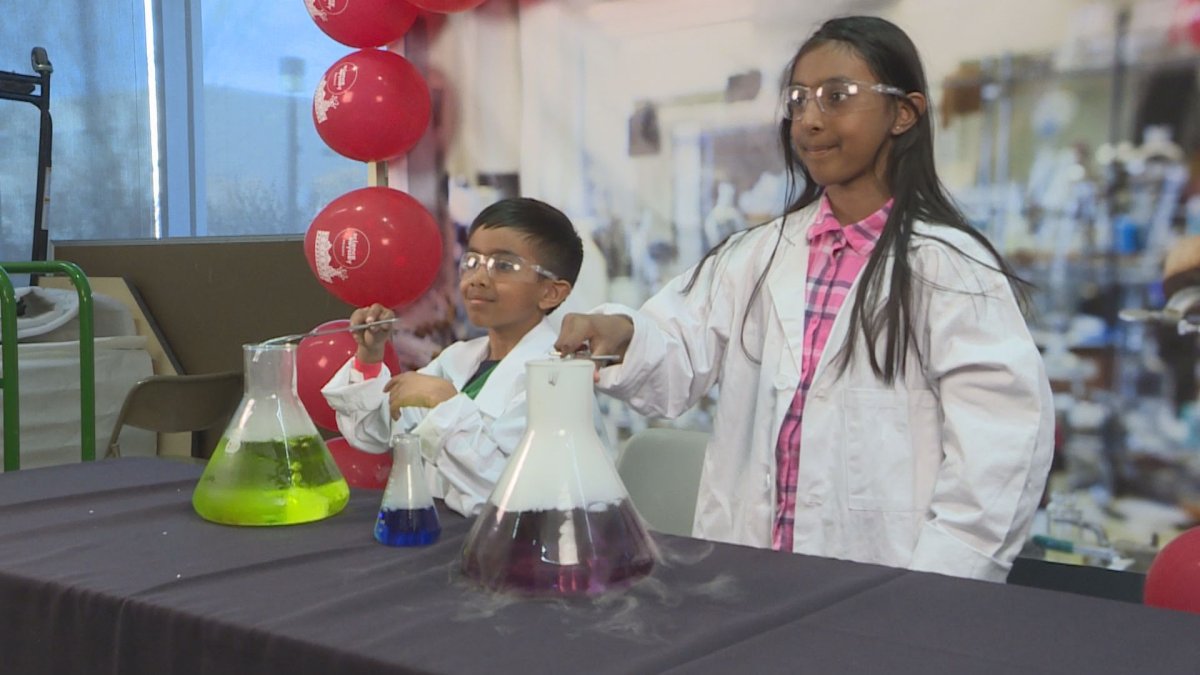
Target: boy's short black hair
{"points": [[558, 245]]}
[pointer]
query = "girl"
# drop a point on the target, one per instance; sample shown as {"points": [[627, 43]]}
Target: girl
{"points": [[881, 398]]}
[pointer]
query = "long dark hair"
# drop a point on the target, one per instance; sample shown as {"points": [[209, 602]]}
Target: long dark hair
{"points": [[917, 194]]}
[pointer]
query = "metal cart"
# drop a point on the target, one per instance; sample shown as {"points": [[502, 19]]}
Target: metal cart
{"points": [[35, 89]]}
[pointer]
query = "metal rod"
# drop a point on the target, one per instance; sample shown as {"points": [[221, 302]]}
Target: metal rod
{"points": [[328, 331], [584, 354]]}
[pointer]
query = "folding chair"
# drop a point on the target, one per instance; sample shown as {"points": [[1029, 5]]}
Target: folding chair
{"points": [[179, 403], [661, 472]]}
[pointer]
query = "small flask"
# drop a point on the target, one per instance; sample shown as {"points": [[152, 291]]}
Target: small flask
{"points": [[407, 516]]}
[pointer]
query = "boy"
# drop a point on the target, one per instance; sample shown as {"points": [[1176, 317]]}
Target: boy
{"points": [[468, 405]]}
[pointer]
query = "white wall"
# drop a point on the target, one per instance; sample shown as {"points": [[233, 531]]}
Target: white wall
{"points": [[948, 32], [583, 66]]}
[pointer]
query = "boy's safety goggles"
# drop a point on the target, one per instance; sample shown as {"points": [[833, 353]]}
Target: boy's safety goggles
{"points": [[501, 265]]}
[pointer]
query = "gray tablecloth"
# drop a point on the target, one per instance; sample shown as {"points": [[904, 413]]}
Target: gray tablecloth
{"points": [[104, 568]]}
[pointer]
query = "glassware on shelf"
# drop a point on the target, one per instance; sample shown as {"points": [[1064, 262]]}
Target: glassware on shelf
{"points": [[559, 521], [407, 516], [271, 466]]}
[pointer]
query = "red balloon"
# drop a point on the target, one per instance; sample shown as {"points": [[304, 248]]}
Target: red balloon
{"points": [[374, 244], [318, 358], [1185, 22], [447, 6], [1173, 580], [363, 23], [371, 105], [360, 469]]}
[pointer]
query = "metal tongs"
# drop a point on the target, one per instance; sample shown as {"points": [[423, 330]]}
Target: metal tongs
{"points": [[282, 339], [1177, 312], [587, 354]]}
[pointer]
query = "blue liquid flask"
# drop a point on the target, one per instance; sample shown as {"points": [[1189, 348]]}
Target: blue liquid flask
{"points": [[407, 516]]}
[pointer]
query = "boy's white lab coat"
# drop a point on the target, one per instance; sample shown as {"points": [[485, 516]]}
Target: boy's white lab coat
{"points": [[941, 472], [468, 441]]}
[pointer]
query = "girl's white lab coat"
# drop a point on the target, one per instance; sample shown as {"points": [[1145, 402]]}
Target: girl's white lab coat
{"points": [[940, 472], [467, 441]]}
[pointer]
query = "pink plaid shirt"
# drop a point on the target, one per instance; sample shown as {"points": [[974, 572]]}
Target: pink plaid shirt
{"points": [[836, 255]]}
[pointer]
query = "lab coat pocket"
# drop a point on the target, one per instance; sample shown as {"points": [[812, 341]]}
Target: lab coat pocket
{"points": [[879, 450]]}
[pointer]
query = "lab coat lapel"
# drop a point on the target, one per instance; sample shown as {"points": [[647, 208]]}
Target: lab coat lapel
{"points": [[786, 284], [506, 381]]}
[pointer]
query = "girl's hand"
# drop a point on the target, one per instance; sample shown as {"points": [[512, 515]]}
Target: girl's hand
{"points": [[416, 390], [373, 340], [599, 333]]}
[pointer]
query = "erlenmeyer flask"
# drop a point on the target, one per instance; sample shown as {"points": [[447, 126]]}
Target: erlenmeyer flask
{"points": [[407, 516], [559, 521], [271, 466]]}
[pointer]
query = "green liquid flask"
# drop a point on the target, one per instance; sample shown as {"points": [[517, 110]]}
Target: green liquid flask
{"points": [[271, 466]]}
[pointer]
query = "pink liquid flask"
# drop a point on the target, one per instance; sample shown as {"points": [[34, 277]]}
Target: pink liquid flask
{"points": [[559, 522]]}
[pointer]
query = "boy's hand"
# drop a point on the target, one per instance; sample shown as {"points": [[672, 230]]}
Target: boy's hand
{"points": [[600, 333], [372, 341], [416, 390]]}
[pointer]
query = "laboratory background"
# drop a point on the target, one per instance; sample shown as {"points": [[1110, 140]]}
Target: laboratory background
{"points": [[185, 167]]}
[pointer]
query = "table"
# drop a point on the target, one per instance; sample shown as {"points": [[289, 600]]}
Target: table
{"points": [[104, 567]]}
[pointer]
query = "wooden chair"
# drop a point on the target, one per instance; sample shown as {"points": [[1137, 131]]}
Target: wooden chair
{"points": [[179, 403]]}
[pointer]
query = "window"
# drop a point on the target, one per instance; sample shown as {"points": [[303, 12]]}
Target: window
{"points": [[266, 171], [101, 183], [171, 119]]}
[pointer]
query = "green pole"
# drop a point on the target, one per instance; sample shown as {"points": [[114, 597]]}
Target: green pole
{"points": [[87, 351], [10, 382]]}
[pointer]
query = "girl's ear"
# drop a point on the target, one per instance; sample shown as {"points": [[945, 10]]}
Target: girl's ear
{"points": [[554, 293], [909, 112]]}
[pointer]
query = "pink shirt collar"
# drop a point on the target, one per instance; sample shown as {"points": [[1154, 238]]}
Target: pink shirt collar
{"points": [[861, 236]]}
